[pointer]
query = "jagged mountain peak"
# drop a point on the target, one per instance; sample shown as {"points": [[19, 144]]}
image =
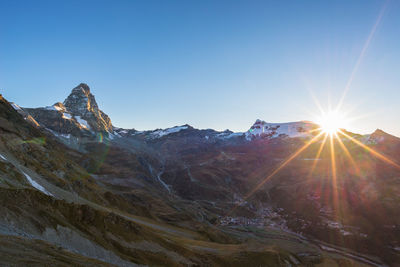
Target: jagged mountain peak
{"points": [[81, 100], [82, 87], [79, 115], [82, 103]]}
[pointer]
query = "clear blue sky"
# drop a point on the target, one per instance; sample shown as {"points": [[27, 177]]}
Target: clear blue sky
{"points": [[211, 64]]}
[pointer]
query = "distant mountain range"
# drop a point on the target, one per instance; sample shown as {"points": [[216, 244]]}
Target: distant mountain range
{"points": [[79, 116], [78, 191]]}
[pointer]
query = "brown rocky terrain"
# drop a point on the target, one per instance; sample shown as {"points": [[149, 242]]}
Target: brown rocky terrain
{"points": [[181, 196]]}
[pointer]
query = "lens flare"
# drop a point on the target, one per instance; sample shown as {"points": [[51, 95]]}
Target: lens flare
{"points": [[331, 122]]}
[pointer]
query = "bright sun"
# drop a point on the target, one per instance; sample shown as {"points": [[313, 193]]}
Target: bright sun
{"points": [[331, 122]]}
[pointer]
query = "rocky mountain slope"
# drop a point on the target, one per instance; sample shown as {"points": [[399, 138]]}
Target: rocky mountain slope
{"points": [[75, 187], [77, 119]]}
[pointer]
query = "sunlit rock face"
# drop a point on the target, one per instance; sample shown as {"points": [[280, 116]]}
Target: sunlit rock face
{"points": [[82, 105], [76, 121]]}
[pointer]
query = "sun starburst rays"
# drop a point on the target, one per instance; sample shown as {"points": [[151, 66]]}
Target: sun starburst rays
{"points": [[287, 161], [362, 54], [279, 168], [331, 123], [347, 152], [321, 147], [335, 164], [370, 150], [332, 138], [336, 203]]}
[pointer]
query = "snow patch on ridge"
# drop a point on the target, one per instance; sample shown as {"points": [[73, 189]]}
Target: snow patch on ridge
{"points": [[161, 133], [82, 122], [67, 116], [57, 134], [15, 106], [36, 185], [55, 108], [227, 135]]}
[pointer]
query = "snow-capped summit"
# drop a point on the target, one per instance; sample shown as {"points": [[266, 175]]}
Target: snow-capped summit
{"points": [[290, 129]]}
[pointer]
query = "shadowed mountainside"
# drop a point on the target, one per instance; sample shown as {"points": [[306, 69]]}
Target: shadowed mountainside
{"points": [[181, 196]]}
